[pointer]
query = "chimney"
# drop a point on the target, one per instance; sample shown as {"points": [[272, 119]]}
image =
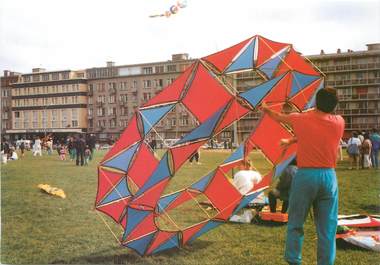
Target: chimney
{"points": [[180, 56], [6, 72], [338, 51], [38, 70], [322, 52], [110, 64], [373, 46]]}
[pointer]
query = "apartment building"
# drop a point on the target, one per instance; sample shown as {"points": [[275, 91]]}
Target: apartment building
{"points": [[49, 102], [115, 93], [356, 76], [6, 100]]}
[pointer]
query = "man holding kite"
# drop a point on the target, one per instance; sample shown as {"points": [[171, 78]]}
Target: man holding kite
{"points": [[317, 133]]}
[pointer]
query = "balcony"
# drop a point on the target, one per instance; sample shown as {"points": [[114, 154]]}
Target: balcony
{"points": [[372, 96], [358, 112], [361, 126], [349, 67], [372, 81]]}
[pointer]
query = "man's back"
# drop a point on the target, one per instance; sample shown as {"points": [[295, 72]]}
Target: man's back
{"points": [[318, 135]]}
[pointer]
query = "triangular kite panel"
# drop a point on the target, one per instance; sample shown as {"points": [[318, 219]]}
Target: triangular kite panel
{"points": [[114, 209], [130, 136], [204, 130], [166, 200], [207, 227], [181, 154], [256, 94], [106, 181], [161, 239], [203, 182], [237, 155], [235, 112], [282, 165], [153, 115], [202, 92], [118, 192], [161, 172], [294, 61], [142, 166], [151, 196], [300, 81], [301, 99], [172, 93], [246, 200], [267, 48], [223, 58], [170, 243], [141, 244], [134, 218], [122, 160], [271, 65], [311, 102], [245, 59]]}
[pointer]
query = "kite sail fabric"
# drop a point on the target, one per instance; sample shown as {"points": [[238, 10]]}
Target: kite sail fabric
{"points": [[132, 179]]}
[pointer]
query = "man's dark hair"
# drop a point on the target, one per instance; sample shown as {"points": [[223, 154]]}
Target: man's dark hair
{"points": [[326, 99]]}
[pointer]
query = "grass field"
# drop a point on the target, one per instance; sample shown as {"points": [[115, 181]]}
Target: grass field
{"points": [[42, 229]]}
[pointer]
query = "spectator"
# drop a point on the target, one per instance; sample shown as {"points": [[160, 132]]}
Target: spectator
{"points": [[37, 150], [375, 140], [62, 153], [87, 155], [282, 189], [22, 148], [246, 178], [196, 156], [366, 151], [80, 147], [353, 150]]}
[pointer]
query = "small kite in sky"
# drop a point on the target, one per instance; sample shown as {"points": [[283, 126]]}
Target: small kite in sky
{"points": [[172, 10]]}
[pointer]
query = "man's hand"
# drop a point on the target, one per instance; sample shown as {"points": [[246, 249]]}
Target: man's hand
{"points": [[285, 143]]}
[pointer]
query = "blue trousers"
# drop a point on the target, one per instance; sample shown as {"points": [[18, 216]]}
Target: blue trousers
{"points": [[315, 187]]}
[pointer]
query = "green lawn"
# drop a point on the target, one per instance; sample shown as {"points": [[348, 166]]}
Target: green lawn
{"points": [[42, 229]]}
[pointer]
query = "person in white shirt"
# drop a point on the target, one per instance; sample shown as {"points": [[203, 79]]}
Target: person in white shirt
{"points": [[37, 147], [245, 179]]}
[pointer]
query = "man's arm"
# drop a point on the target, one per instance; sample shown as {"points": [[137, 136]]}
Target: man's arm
{"points": [[277, 116]]}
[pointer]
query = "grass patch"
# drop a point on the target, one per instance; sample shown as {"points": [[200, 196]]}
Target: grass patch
{"points": [[42, 229]]}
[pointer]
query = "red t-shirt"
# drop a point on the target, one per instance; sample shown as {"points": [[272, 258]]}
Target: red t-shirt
{"points": [[318, 136]]}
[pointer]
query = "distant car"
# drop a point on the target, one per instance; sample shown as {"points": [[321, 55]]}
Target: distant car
{"points": [[105, 147], [169, 142]]}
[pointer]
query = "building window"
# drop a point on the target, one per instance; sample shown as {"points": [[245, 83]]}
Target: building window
{"points": [[147, 83], [159, 69], [65, 75], [171, 68], [17, 114], [134, 84], [36, 78], [146, 96], [26, 78], [74, 123], [111, 99], [45, 77], [123, 98], [147, 70], [101, 111]]}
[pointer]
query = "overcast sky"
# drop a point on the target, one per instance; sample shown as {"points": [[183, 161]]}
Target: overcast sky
{"points": [[78, 34]]}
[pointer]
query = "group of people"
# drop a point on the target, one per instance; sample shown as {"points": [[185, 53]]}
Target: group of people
{"points": [[363, 149], [8, 153], [79, 148]]}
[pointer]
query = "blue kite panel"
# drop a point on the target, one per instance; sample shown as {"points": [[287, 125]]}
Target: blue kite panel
{"points": [[210, 225], [165, 201], [245, 60], [237, 155], [246, 200], [140, 245], [161, 172], [134, 217], [151, 116], [270, 66], [281, 166], [256, 94], [300, 81], [122, 160], [311, 102], [203, 182], [171, 243], [119, 192], [204, 130]]}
